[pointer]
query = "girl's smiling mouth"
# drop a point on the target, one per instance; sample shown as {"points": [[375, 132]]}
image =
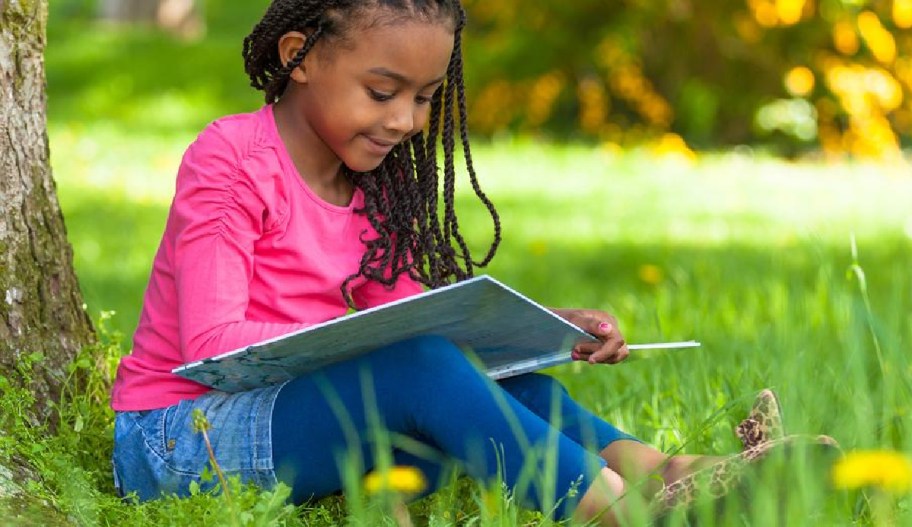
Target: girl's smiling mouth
{"points": [[380, 146]]}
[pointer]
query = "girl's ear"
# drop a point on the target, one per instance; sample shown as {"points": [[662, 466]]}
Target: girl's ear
{"points": [[289, 45]]}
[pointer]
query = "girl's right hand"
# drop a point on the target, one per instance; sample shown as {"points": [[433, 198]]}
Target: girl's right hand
{"points": [[611, 348]]}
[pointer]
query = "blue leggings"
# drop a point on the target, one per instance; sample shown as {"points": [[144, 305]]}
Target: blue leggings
{"points": [[437, 411]]}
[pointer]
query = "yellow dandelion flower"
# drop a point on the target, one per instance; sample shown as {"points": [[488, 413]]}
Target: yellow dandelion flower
{"points": [[650, 274], [887, 469], [538, 248], [405, 480]]}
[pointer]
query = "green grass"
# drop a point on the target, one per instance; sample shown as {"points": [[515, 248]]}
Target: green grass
{"points": [[754, 259]]}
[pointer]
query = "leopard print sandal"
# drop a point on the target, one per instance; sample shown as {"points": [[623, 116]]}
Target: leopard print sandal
{"points": [[763, 423], [761, 433]]}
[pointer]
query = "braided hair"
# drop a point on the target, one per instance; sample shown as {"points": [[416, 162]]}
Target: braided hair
{"points": [[401, 194]]}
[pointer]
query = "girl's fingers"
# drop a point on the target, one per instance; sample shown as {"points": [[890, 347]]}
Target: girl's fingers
{"points": [[612, 350], [611, 347]]}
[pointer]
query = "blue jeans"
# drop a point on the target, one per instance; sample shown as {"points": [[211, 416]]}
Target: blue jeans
{"points": [[157, 452], [420, 401]]}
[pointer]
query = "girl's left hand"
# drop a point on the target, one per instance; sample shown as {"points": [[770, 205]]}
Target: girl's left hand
{"points": [[611, 348]]}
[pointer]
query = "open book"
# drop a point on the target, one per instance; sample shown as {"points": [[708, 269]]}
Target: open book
{"points": [[506, 332]]}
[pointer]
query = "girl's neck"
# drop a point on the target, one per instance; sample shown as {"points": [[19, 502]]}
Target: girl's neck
{"points": [[317, 165]]}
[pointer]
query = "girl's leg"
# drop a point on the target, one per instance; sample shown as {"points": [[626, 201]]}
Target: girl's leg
{"points": [[634, 461], [425, 388], [547, 398], [640, 463]]}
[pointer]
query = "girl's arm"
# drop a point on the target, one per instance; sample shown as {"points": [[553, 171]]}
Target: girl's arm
{"points": [[217, 215]]}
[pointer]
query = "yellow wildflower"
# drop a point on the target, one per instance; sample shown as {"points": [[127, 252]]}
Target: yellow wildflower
{"points": [[650, 274], [538, 247], [887, 469], [405, 480]]}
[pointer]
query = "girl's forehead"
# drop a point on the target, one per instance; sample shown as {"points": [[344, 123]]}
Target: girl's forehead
{"points": [[365, 18], [405, 46], [378, 14]]}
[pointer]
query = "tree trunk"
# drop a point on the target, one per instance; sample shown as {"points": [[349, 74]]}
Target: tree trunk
{"points": [[41, 307], [183, 18]]}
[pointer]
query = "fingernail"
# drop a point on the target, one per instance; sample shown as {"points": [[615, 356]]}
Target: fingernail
{"points": [[604, 326]]}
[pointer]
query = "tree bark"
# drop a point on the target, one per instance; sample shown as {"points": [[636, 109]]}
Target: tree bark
{"points": [[41, 307]]}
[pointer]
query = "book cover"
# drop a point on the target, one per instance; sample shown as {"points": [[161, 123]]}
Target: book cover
{"points": [[506, 332]]}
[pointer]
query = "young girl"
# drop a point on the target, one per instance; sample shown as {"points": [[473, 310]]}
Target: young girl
{"points": [[326, 199]]}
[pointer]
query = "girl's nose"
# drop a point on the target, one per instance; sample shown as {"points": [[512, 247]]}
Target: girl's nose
{"points": [[402, 120]]}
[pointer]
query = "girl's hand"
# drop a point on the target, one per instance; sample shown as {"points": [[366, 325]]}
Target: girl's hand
{"points": [[611, 348]]}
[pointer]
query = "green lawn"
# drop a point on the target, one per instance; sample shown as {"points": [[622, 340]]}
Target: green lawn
{"points": [[749, 255]]}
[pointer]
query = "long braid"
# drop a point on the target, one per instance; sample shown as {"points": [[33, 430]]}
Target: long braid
{"points": [[467, 153], [401, 196], [429, 182], [450, 225]]}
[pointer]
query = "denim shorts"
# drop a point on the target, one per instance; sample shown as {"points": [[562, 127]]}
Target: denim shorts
{"points": [[157, 452]]}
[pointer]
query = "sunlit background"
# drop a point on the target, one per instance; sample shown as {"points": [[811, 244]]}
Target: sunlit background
{"points": [[750, 122]]}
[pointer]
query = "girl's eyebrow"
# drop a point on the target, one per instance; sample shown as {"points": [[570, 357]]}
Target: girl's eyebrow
{"points": [[400, 77]]}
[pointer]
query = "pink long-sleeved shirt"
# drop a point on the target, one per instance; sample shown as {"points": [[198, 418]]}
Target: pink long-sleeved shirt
{"points": [[249, 252]]}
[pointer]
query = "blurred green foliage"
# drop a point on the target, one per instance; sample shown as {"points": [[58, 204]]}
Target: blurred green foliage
{"points": [[143, 79], [715, 72], [790, 74]]}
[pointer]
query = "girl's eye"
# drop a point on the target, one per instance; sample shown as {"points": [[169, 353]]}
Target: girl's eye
{"points": [[421, 99], [379, 96]]}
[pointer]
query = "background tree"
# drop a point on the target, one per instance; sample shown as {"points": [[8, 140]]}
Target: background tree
{"points": [[829, 74], [182, 17], [43, 323]]}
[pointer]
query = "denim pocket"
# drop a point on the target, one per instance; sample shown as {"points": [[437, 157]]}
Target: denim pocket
{"points": [[136, 462], [157, 451]]}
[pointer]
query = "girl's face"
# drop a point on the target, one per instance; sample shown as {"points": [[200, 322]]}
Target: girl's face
{"points": [[362, 97]]}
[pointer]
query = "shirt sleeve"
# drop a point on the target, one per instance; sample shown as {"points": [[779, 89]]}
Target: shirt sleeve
{"points": [[218, 214]]}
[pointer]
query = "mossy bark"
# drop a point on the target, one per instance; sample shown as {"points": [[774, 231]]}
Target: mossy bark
{"points": [[41, 308]]}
